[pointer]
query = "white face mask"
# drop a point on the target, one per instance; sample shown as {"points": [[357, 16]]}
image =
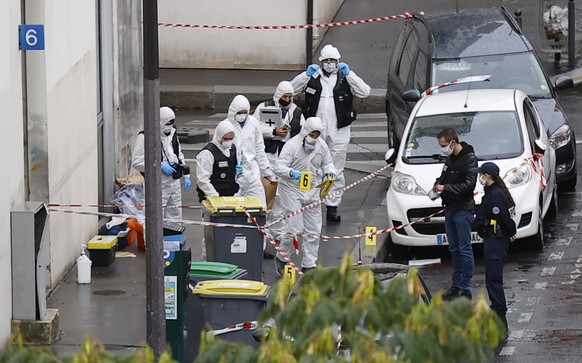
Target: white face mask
{"points": [[308, 147], [226, 145], [330, 67], [240, 117], [310, 140], [447, 150], [167, 129], [483, 180]]}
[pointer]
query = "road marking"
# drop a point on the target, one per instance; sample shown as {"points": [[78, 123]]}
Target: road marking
{"points": [[507, 351], [566, 241], [548, 271], [524, 317], [556, 256], [533, 301], [541, 285], [516, 334], [573, 226]]}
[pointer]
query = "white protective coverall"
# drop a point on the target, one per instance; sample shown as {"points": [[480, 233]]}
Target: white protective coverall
{"points": [[205, 159], [249, 139], [282, 88], [337, 139], [171, 192], [319, 162]]}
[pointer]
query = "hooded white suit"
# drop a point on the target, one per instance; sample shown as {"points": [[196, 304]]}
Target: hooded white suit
{"points": [[205, 159], [319, 162], [249, 140], [171, 193]]}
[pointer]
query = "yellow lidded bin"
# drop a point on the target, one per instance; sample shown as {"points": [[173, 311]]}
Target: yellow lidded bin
{"points": [[102, 250], [236, 245]]}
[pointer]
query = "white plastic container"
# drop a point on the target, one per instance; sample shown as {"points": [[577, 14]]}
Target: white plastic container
{"points": [[84, 268]]}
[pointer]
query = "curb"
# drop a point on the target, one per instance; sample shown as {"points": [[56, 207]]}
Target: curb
{"points": [[219, 97]]}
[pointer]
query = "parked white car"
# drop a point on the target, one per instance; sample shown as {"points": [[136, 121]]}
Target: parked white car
{"points": [[502, 126]]}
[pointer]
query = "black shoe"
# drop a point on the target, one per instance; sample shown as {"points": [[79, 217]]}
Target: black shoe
{"points": [[279, 266], [332, 214], [307, 269], [452, 291], [268, 255], [458, 293]]}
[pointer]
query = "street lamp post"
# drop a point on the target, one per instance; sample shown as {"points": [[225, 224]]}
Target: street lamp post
{"points": [[155, 319]]}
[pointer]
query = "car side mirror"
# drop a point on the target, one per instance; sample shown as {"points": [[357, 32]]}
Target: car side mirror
{"points": [[390, 156], [412, 95], [540, 147], [563, 82]]}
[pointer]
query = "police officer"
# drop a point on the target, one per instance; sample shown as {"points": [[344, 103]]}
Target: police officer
{"points": [[329, 94], [217, 166], [495, 225]]}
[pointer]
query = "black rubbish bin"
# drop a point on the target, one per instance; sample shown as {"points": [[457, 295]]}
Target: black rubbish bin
{"points": [[236, 245]]}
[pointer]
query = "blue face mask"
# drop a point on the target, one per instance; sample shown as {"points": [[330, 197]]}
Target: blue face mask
{"points": [[308, 146]]}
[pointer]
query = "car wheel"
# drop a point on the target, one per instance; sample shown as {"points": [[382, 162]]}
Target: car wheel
{"points": [[568, 185], [397, 252], [553, 209], [536, 242]]}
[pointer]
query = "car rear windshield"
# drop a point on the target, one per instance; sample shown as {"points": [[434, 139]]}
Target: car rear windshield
{"points": [[513, 71], [493, 135]]}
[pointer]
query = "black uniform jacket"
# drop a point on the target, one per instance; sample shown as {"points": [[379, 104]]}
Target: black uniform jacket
{"points": [[458, 180], [494, 206]]}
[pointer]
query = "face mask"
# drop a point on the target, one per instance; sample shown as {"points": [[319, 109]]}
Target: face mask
{"points": [[310, 140], [226, 144], [330, 67], [447, 150], [307, 146], [284, 103], [167, 130], [240, 117], [483, 180]]}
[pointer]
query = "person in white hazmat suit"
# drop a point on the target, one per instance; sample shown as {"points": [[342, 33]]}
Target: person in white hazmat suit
{"points": [[173, 166], [249, 142], [306, 152], [216, 164], [276, 134], [329, 93]]}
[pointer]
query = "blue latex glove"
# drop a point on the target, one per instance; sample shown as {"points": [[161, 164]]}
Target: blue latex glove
{"points": [[332, 176], [238, 169], [344, 68], [295, 174], [167, 169], [311, 70], [187, 184]]}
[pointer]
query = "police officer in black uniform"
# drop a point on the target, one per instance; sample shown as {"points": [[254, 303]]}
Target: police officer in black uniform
{"points": [[495, 225]]}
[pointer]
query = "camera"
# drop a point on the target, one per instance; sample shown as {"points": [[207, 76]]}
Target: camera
{"points": [[181, 169]]}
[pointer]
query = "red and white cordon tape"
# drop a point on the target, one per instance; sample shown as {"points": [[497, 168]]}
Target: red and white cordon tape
{"points": [[287, 27], [329, 196], [538, 169], [275, 243], [138, 206]]}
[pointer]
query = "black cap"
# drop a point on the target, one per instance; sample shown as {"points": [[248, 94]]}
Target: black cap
{"points": [[487, 168]]}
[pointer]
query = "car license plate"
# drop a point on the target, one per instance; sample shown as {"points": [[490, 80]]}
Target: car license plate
{"points": [[442, 238]]}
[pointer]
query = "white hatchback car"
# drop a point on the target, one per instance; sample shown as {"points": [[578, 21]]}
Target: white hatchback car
{"points": [[502, 126]]}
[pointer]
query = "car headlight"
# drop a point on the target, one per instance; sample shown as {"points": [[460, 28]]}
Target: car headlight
{"points": [[561, 137], [518, 176], [404, 183]]}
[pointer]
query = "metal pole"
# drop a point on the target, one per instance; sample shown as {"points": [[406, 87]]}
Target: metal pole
{"points": [[309, 36], [156, 319], [571, 34]]}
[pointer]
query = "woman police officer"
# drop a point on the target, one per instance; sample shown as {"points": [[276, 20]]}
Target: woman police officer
{"points": [[494, 224]]}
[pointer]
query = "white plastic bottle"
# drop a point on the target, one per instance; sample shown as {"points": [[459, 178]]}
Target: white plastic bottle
{"points": [[84, 268]]}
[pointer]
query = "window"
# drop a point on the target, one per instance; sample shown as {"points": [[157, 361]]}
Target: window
{"points": [[408, 57]]}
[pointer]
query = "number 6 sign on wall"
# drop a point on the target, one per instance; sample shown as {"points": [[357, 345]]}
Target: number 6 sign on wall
{"points": [[31, 37]]}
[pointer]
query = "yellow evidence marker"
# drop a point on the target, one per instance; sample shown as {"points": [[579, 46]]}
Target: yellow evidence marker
{"points": [[371, 240], [290, 274], [305, 180]]}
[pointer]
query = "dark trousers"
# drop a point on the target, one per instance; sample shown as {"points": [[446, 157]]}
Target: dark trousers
{"points": [[494, 252]]}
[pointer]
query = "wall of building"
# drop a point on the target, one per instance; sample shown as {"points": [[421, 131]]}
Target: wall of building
{"points": [[182, 47], [11, 148]]}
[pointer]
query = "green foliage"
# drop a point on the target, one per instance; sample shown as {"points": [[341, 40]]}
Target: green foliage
{"points": [[91, 352], [378, 323]]}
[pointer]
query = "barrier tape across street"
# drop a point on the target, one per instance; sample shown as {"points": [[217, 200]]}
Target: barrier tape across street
{"points": [[288, 27]]}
